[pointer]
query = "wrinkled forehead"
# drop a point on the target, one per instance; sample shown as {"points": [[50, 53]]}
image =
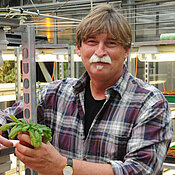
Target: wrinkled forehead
{"points": [[96, 29], [106, 36]]}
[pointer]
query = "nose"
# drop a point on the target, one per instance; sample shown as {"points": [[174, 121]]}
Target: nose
{"points": [[100, 50]]}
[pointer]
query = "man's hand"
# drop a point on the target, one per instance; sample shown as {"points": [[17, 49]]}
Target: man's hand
{"points": [[5, 142], [45, 160]]}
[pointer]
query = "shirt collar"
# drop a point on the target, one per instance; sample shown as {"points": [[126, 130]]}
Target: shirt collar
{"points": [[121, 85], [81, 83]]}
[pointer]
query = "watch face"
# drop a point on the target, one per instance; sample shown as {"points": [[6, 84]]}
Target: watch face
{"points": [[68, 170]]}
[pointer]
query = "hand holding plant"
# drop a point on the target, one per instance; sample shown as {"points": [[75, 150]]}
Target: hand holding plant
{"points": [[38, 133]]}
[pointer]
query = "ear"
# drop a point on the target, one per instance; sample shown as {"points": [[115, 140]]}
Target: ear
{"points": [[78, 51], [126, 52]]}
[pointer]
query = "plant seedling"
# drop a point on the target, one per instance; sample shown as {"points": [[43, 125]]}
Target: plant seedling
{"points": [[38, 133]]}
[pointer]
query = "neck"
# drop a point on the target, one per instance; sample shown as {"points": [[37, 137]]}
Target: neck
{"points": [[97, 90]]}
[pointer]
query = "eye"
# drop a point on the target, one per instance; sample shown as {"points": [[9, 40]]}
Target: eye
{"points": [[112, 43], [91, 41]]}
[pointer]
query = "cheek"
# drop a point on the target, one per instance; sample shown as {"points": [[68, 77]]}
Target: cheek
{"points": [[86, 55], [87, 51], [118, 57], [85, 61]]}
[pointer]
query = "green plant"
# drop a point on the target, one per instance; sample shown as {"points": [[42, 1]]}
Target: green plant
{"points": [[8, 72], [38, 133]]}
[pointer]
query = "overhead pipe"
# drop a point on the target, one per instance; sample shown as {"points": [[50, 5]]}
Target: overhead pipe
{"points": [[43, 15]]}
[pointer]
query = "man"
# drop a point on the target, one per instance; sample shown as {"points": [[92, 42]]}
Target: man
{"points": [[107, 122]]}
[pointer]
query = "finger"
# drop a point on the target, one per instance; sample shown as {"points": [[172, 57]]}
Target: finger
{"points": [[24, 138], [25, 150], [31, 161], [28, 161], [5, 142]]}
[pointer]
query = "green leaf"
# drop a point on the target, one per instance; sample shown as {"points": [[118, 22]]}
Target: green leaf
{"points": [[47, 137], [15, 131], [25, 128], [7, 126], [13, 118], [22, 120], [35, 138]]}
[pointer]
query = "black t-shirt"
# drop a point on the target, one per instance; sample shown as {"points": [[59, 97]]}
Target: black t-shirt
{"points": [[92, 107]]}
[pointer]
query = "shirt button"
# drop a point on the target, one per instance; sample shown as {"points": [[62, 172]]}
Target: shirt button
{"points": [[85, 159]]}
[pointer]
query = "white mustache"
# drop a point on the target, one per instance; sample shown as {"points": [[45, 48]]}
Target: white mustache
{"points": [[105, 59]]}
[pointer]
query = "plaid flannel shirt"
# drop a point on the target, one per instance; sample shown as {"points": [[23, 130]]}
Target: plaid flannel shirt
{"points": [[132, 131]]}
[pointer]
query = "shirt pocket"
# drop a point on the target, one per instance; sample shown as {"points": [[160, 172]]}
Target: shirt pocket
{"points": [[110, 142], [115, 146]]}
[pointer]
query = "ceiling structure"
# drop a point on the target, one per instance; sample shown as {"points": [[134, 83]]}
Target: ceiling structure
{"points": [[58, 19]]}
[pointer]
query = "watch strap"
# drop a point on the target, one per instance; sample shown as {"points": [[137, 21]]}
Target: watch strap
{"points": [[69, 162]]}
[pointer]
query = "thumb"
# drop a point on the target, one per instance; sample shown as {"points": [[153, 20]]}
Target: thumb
{"points": [[5, 142]]}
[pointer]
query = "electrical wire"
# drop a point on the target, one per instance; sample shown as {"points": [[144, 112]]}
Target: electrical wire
{"points": [[54, 10], [34, 6]]}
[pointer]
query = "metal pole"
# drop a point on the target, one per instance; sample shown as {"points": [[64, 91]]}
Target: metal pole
{"points": [[55, 42], [18, 91], [45, 72], [91, 4], [29, 71], [29, 77], [146, 71], [61, 70], [17, 73], [71, 61]]}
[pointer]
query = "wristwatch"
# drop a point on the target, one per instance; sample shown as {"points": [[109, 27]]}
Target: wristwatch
{"points": [[68, 169]]}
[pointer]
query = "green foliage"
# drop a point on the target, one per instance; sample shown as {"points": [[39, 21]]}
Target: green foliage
{"points": [[38, 133], [7, 72]]}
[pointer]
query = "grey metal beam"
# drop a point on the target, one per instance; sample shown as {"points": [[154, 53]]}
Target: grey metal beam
{"points": [[17, 73], [70, 3], [42, 15], [12, 22], [71, 70], [45, 72], [29, 77], [29, 71]]}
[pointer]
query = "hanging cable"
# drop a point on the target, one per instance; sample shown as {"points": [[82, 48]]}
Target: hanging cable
{"points": [[34, 6], [54, 10]]}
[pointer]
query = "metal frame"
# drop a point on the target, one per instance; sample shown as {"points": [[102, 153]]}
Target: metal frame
{"points": [[29, 76], [17, 73], [12, 22]]}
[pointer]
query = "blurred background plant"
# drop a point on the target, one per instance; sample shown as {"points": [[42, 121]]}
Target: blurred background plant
{"points": [[7, 72]]}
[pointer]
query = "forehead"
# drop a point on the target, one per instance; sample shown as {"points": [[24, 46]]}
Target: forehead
{"points": [[101, 36]]}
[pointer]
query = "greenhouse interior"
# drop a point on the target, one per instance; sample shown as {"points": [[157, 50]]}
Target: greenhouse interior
{"points": [[38, 46]]}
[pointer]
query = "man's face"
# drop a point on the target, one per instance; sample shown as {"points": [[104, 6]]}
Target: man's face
{"points": [[102, 57]]}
